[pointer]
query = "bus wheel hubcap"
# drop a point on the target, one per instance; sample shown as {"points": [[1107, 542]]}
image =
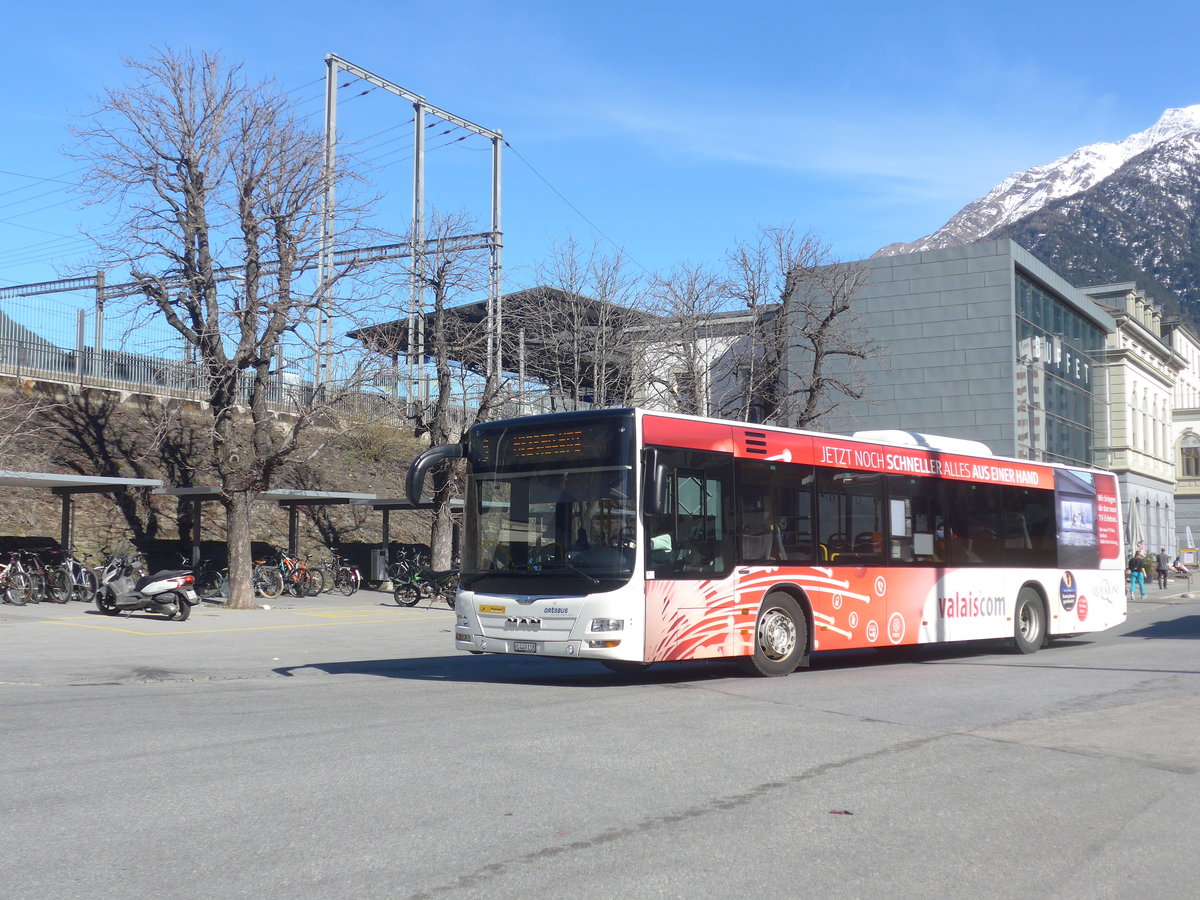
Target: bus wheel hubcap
{"points": [[1029, 624], [777, 634]]}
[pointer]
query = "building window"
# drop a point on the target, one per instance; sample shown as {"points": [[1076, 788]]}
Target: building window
{"points": [[1189, 452], [1058, 348]]}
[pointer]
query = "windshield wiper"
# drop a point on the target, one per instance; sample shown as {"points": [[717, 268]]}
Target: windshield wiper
{"points": [[566, 565]]}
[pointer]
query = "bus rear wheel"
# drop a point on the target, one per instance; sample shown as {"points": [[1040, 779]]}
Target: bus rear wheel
{"points": [[780, 637], [1029, 622]]}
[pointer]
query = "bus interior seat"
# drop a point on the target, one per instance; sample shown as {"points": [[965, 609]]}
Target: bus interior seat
{"points": [[757, 546]]}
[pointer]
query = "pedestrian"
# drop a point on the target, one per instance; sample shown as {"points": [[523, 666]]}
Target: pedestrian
{"points": [[1162, 563], [1137, 575]]}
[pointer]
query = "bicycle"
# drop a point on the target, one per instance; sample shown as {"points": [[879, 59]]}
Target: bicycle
{"points": [[58, 583], [210, 581], [327, 566], [401, 567], [267, 579], [298, 577], [339, 573], [83, 581], [347, 580], [15, 586], [317, 576], [46, 584]]}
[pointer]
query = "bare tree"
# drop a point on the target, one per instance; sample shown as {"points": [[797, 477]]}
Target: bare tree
{"points": [[28, 420], [456, 344], [679, 355], [572, 328], [220, 190], [797, 360]]}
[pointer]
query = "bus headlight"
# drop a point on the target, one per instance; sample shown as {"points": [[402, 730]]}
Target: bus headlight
{"points": [[607, 625]]}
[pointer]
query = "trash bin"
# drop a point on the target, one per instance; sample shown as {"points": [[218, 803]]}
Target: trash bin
{"points": [[377, 566]]}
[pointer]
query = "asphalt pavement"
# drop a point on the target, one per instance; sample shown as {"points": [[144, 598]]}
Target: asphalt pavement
{"points": [[74, 643], [335, 747]]}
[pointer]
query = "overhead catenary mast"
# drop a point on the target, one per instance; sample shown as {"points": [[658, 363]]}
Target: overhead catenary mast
{"points": [[494, 236]]}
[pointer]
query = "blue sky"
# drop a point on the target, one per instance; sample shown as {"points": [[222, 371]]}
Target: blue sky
{"points": [[670, 128]]}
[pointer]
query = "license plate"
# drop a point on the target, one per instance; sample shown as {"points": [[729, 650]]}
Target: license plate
{"points": [[524, 647]]}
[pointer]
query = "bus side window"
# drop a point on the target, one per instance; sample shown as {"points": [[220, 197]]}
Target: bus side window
{"points": [[850, 514], [978, 531], [1029, 536], [775, 518], [916, 520]]}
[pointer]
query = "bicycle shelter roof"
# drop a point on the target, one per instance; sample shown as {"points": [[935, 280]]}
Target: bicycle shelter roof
{"points": [[382, 503], [76, 484], [289, 499], [283, 497], [66, 486]]}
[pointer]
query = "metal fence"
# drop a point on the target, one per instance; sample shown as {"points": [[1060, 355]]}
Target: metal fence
{"points": [[182, 380], [159, 367]]}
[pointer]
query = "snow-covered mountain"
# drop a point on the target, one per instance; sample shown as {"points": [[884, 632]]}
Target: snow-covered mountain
{"points": [[1031, 192]]}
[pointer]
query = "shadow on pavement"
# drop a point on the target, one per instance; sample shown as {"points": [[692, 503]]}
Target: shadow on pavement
{"points": [[492, 668], [1184, 627], [504, 669]]}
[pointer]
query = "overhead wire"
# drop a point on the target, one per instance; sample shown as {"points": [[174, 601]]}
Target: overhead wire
{"points": [[37, 179], [600, 231], [55, 247], [36, 197], [45, 251]]}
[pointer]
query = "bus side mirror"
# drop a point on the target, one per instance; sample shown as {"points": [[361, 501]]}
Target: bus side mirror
{"points": [[414, 482], [654, 493]]}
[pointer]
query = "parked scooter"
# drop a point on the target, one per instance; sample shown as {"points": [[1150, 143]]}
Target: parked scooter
{"points": [[125, 587]]}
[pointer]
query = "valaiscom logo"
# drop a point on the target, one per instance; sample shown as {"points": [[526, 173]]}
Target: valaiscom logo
{"points": [[968, 606]]}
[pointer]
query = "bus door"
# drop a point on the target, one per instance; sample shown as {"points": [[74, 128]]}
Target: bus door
{"points": [[691, 537]]}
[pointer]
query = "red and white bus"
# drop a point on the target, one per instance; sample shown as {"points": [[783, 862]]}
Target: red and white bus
{"points": [[634, 537]]}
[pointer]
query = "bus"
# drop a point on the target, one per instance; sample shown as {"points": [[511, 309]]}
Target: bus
{"points": [[634, 537]]}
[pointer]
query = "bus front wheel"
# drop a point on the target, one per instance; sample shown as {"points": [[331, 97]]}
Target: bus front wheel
{"points": [[780, 637], [1029, 622]]}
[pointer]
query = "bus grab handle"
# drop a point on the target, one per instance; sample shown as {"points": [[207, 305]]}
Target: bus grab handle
{"points": [[414, 482]]}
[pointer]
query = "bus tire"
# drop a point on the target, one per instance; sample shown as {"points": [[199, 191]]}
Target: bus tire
{"points": [[1029, 622], [780, 637]]}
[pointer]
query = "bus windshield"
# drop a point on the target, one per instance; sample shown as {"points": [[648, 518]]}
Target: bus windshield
{"points": [[553, 511]]}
